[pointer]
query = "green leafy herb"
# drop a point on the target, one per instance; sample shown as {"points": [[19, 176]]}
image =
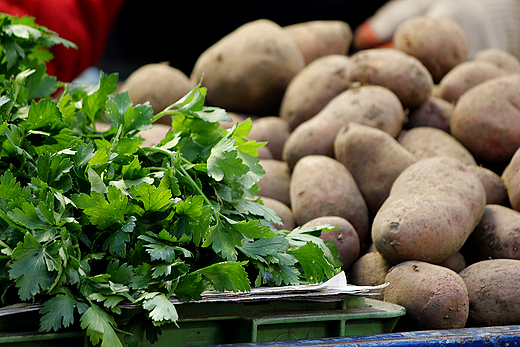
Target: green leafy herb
{"points": [[91, 220]]}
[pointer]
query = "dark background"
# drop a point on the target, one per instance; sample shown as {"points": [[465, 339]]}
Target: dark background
{"points": [[178, 32]]}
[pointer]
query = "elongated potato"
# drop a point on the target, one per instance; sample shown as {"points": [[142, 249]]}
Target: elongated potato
{"points": [[486, 119], [346, 238], [433, 207], [494, 292], [322, 186], [498, 234], [434, 296], [320, 38], [438, 43], [374, 158], [427, 142], [511, 178], [391, 68], [248, 70], [369, 105], [314, 87]]}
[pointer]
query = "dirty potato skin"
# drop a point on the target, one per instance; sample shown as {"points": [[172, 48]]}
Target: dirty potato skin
{"points": [[494, 292], [434, 296], [370, 270], [322, 186], [346, 238], [433, 207]]}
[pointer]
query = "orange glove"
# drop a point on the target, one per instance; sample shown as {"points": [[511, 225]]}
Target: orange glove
{"points": [[486, 23]]}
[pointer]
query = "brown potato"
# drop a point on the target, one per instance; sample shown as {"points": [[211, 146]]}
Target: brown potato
{"points": [[464, 76], [160, 84], [374, 158], [486, 119], [433, 207], [438, 43], [322, 186], [320, 38], [456, 262], [506, 61], [511, 178], [283, 211], [498, 234], [370, 105], [275, 182], [434, 296], [391, 68], [496, 192], [494, 292], [427, 142], [314, 87], [370, 270], [346, 238], [249, 69], [273, 130], [435, 113]]}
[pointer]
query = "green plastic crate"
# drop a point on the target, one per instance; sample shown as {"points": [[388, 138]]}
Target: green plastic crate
{"points": [[203, 324]]}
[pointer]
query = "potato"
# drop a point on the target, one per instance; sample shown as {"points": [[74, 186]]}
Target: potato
{"points": [[370, 270], [433, 207], [158, 83], [506, 61], [346, 238], [320, 38], [249, 69], [154, 135], [275, 182], [391, 68], [314, 87], [496, 192], [498, 234], [369, 105], [486, 119], [464, 76], [494, 292], [435, 113], [511, 178], [456, 262], [438, 43], [427, 142], [322, 186], [283, 211], [434, 296], [273, 130], [374, 158]]}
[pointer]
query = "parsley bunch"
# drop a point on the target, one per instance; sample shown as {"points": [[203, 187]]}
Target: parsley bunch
{"points": [[90, 220]]}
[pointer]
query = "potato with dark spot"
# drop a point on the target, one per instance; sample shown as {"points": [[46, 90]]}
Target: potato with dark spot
{"points": [[427, 142], [393, 69], [370, 270], [511, 178], [465, 76], [494, 292], [435, 113], [374, 158], [275, 182], [322, 186], [438, 43], [434, 296], [486, 120], [433, 207], [314, 87], [320, 38], [273, 130], [498, 234], [496, 192], [158, 83], [346, 238], [248, 70], [369, 105]]}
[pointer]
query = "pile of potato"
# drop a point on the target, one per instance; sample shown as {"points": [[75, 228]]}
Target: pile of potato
{"points": [[412, 151]]}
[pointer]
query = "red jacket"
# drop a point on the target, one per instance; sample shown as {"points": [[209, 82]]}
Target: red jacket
{"points": [[86, 23]]}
